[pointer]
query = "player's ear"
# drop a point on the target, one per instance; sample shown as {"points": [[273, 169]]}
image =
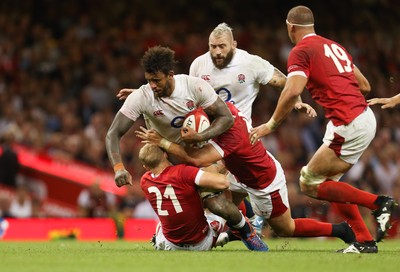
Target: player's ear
{"points": [[234, 44], [171, 73]]}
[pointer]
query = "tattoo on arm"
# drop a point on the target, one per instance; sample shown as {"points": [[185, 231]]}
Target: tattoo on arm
{"points": [[222, 120], [278, 79]]}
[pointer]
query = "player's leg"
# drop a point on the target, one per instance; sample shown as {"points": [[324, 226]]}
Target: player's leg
{"points": [[313, 182], [343, 146], [218, 204], [240, 199], [285, 226]]}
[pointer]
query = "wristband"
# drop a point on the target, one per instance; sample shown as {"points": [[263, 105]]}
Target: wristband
{"points": [[272, 124], [165, 144], [118, 166]]}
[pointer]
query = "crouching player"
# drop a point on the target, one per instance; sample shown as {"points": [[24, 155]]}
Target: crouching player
{"points": [[173, 193]]}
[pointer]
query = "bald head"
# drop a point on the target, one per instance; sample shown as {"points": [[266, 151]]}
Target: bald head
{"points": [[300, 16]]}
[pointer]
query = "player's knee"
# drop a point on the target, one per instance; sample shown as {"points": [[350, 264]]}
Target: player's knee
{"points": [[283, 231], [216, 205], [309, 181]]}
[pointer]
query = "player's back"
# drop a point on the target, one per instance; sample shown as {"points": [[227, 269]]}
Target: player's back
{"points": [[174, 197], [252, 164], [331, 80]]}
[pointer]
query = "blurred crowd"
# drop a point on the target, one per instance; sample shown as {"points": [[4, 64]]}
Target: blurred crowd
{"points": [[62, 63]]}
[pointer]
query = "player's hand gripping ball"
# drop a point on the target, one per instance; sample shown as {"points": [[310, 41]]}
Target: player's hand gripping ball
{"points": [[198, 121]]}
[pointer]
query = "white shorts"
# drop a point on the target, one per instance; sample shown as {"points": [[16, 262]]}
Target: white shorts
{"points": [[350, 141], [216, 225], [269, 202]]}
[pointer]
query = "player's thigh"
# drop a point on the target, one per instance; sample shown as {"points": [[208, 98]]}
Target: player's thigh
{"points": [[326, 163]]}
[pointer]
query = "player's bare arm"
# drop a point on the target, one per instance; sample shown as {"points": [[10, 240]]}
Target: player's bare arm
{"points": [[222, 121], [363, 82], [278, 81], [385, 102], [120, 125], [202, 157], [288, 98], [214, 181]]}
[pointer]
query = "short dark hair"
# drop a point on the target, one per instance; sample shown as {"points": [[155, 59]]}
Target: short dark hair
{"points": [[158, 59]]}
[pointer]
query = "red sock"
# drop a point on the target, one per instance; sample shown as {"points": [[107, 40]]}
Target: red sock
{"points": [[305, 227], [242, 208], [351, 214], [334, 191]]}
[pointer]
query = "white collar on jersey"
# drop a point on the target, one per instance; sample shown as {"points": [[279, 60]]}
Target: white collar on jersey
{"points": [[309, 35]]}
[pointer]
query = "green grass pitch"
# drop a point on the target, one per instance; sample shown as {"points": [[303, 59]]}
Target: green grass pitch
{"points": [[284, 255]]}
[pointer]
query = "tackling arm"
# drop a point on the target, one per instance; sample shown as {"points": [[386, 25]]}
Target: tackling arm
{"points": [[199, 157], [214, 181]]}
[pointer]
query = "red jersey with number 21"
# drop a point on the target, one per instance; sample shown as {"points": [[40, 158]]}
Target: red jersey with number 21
{"points": [[331, 80], [174, 197]]}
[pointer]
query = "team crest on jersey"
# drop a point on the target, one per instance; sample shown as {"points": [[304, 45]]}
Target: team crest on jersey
{"points": [[158, 113], [206, 77], [190, 105], [241, 78]]}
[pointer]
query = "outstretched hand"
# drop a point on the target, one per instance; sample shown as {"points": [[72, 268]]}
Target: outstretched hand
{"points": [[385, 102], [124, 93], [258, 132], [305, 108], [148, 136]]}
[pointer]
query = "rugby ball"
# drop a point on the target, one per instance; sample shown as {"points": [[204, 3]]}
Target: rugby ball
{"points": [[198, 121]]}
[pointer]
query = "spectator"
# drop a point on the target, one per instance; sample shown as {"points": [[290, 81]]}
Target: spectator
{"points": [[94, 202], [9, 164], [21, 204]]}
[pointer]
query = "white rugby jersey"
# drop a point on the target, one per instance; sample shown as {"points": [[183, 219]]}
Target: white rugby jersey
{"points": [[166, 114], [239, 82]]}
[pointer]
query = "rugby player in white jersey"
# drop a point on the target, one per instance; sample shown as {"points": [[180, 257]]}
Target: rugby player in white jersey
{"points": [[164, 101], [236, 76]]}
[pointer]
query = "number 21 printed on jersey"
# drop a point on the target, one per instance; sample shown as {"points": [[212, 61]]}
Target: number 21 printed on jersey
{"points": [[168, 194]]}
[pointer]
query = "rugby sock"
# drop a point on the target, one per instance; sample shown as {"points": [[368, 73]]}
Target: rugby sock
{"points": [[306, 227], [351, 214], [342, 192], [243, 227], [249, 210], [242, 207]]}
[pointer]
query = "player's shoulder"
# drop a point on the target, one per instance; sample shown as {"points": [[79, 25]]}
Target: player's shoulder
{"points": [[187, 79], [244, 57], [143, 93], [201, 62], [203, 57]]}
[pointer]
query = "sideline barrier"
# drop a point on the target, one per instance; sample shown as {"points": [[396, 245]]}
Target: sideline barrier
{"points": [[59, 228], [139, 229], [64, 180], [85, 229]]}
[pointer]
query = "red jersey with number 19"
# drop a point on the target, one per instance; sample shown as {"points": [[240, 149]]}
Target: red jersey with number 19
{"points": [[174, 197], [331, 80]]}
